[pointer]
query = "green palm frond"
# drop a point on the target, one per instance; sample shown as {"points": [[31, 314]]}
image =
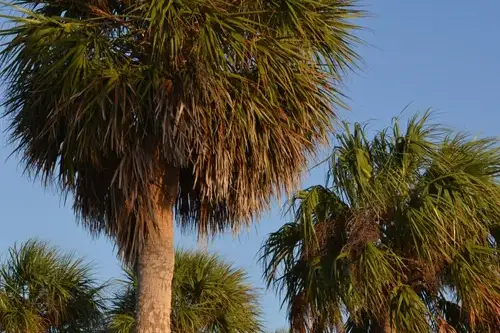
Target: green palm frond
{"points": [[408, 221], [226, 98], [209, 295], [44, 290], [408, 311], [294, 256]]}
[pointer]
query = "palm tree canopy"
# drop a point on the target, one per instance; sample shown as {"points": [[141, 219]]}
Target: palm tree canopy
{"points": [[228, 98], [403, 235], [44, 290], [209, 295]]}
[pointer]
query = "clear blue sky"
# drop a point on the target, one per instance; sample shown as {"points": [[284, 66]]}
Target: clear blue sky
{"points": [[441, 54]]}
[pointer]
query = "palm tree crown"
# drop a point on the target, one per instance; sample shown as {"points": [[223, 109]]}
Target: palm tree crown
{"points": [[208, 296], [403, 238], [43, 290], [221, 100]]}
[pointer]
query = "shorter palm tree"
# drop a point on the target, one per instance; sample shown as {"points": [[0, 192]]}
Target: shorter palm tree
{"points": [[43, 290], [209, 295], [404, 237]]}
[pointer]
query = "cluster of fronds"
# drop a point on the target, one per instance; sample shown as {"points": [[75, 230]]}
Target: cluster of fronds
{"points": [[208, 295], [227, 99], [42, 290], [405, 236]]}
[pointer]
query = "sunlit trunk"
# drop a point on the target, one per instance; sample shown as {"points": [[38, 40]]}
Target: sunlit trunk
{"points": [[156, 267], [384, 326], [387, 327]]}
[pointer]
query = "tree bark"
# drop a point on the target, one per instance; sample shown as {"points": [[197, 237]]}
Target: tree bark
{"points": [[387, 326], [384, 326], [156, 263]]}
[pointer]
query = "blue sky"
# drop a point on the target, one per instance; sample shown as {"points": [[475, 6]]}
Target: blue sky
{"points": [[443, 55]]}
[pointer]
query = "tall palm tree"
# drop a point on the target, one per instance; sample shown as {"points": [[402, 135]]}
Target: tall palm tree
{"points": [[136, 107], [45, 291], [209, 295], [403, 237]]}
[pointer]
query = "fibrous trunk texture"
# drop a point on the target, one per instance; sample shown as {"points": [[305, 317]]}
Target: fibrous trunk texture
{"points": [[156, 264], [385, 326]]}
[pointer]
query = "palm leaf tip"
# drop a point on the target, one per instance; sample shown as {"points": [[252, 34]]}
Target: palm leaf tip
{"points": [[227, 99]]}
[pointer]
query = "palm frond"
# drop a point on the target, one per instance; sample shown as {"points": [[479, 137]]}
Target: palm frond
{"points": [[226, 98], [42, 289], [411, 215], [209, 295]]}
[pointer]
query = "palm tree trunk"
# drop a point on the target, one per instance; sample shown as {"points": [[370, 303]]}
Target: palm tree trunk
{"points": [[384, 326], [156, 266], [387, 326]]}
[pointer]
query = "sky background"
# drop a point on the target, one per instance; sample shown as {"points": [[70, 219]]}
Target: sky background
{"points": [[443, 55]]}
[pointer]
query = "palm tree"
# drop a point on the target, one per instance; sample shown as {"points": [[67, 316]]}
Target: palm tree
{"points": [[209, 295], [135, 108], [401, 239], [45, 291]]}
